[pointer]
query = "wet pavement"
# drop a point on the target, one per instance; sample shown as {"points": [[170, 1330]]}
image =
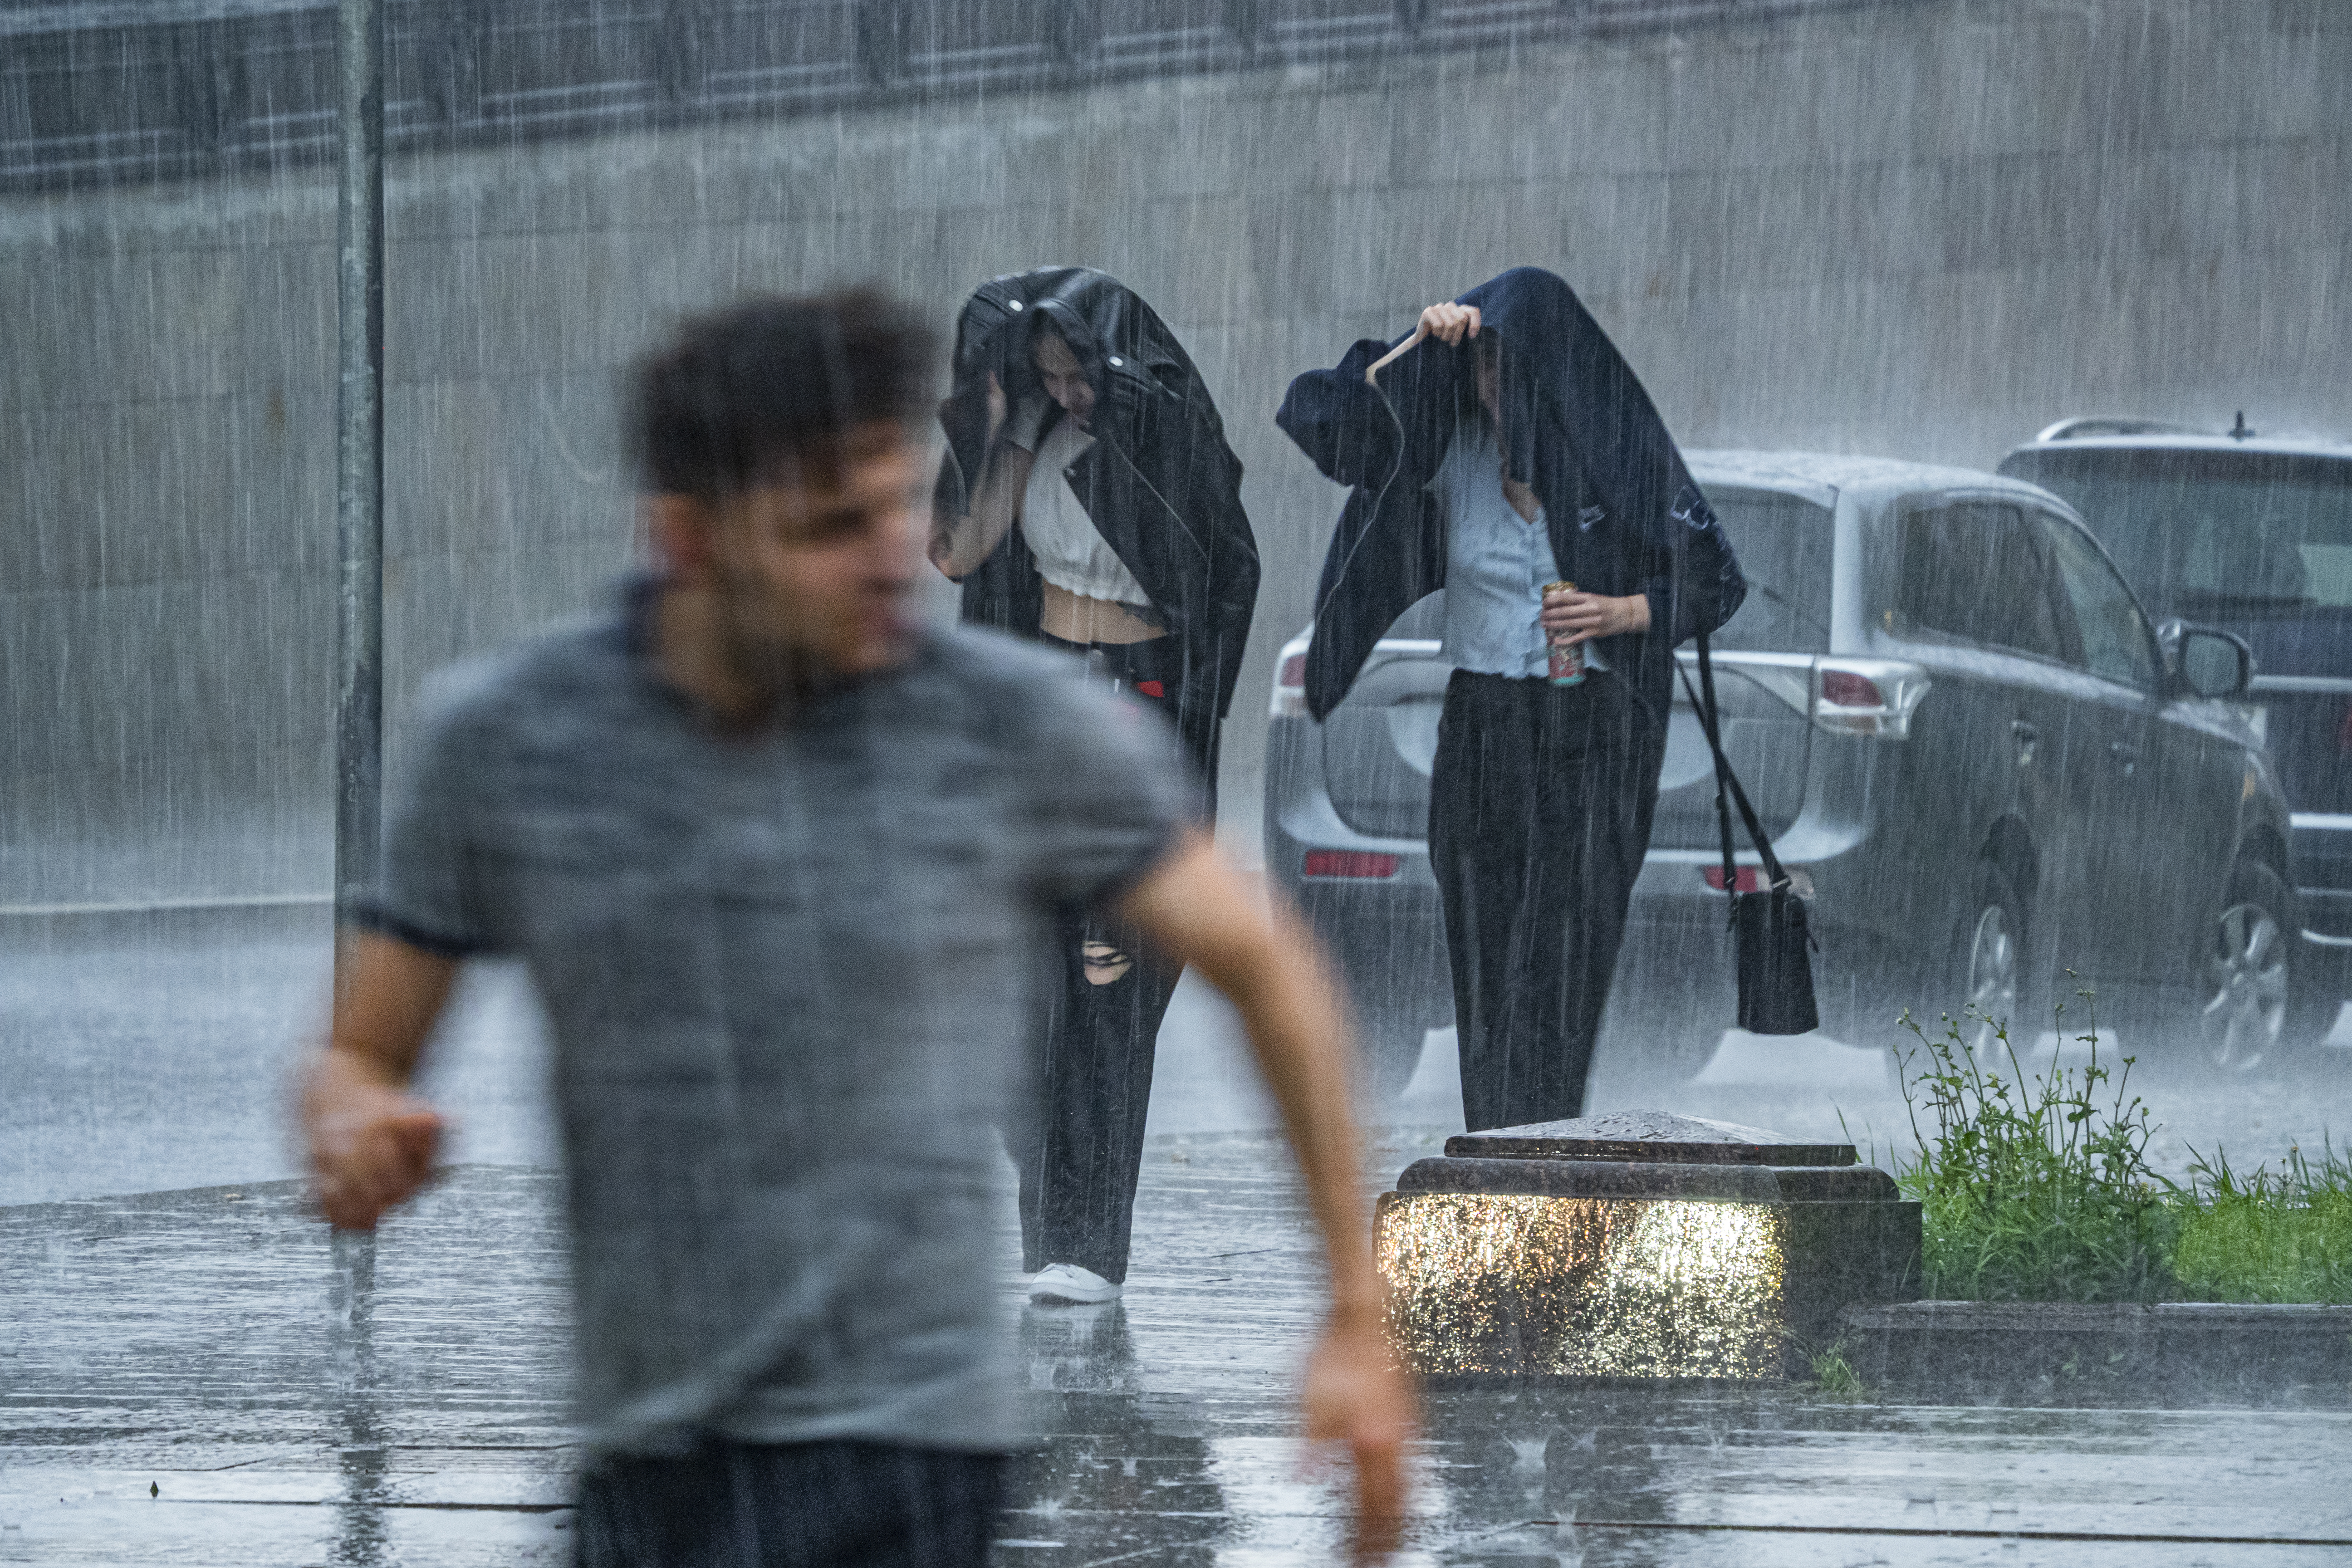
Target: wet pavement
{"points": [[202, 1376]]}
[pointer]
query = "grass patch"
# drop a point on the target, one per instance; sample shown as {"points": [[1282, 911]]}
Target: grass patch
{"points": [[2274, 1235], [2036, 1188]]}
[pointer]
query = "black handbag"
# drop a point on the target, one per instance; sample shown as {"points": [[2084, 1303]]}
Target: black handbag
{"points": [[1768, 926]]}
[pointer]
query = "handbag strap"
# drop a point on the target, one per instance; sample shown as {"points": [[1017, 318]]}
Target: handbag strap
{"points": [[1727, 783], [1705, 712]]}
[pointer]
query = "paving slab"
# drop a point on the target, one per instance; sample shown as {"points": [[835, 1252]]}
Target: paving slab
{"points": [[204, 1377]]}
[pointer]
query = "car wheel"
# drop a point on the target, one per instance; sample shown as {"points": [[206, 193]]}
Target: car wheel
{"points": [[2248, 984], [1992, 973]]}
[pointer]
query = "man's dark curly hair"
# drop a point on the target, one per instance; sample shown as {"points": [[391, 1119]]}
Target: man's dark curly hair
{"points": [[742, 396]]}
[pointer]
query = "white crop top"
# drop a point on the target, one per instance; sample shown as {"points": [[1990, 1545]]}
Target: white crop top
{"points": [[1070, 553]]}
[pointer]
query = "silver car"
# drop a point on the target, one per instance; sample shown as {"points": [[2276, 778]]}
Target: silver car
{"points": [[1984, 766]]}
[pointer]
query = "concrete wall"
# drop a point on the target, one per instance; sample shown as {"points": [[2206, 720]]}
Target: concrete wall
{"points": [[1922, 229]]}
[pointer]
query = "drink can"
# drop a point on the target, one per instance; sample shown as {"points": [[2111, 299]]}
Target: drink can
{"points": [[1567, 658]]}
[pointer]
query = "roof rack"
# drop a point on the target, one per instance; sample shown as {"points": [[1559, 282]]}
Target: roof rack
{"points": [[2075, 429]]}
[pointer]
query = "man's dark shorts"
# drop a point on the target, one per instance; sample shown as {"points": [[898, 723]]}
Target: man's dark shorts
{"points": [[790, 1505]]}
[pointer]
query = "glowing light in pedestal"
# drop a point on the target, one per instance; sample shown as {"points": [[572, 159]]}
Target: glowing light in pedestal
{"points": [[1584, 1287]]}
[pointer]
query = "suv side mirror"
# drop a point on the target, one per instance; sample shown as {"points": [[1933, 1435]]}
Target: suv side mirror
{"points": [[2205, 661]]}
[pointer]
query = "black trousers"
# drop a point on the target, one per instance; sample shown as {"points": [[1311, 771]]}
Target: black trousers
{"points": [[1079, 1147], [790, 1505], [1540, 800]]}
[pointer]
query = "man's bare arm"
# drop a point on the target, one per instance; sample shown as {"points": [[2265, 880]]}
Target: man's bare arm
{"points": [[371, 1142], [1197, 907]]}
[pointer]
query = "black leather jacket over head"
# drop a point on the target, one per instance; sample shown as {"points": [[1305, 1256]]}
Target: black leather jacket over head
{"points": [[1160, 483], [1623, 513]]}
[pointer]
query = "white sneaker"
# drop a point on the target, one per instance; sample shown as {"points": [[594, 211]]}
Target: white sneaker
{"points": [[1070, 1285]]}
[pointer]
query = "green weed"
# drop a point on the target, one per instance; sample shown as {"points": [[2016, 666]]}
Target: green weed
{"points": [[2032, 1189], [1833, 1374], [2038, 1189]]}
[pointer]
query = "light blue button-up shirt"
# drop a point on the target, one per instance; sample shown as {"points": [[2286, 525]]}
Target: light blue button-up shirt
{"points": [[1496, 564]]}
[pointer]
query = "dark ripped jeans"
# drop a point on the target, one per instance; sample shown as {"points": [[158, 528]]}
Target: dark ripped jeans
{"points": [[1540, 800], [1080, 1147]]}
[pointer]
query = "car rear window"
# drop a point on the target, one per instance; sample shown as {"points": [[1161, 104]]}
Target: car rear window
{"points": [[1785, 545], [2212, 534]]}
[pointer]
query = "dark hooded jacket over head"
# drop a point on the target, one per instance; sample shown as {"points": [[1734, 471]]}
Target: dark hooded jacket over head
{"points": [[1160, 483], [1624, 514]]}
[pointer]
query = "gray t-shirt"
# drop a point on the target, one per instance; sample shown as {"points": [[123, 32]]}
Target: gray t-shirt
{"points": [[787, 975]]}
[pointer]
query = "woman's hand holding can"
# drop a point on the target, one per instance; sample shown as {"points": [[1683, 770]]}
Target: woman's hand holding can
{"points": [[1567, 658]]}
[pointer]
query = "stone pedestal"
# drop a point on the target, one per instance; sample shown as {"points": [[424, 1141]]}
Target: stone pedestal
{"points": [[1637, 1245]]}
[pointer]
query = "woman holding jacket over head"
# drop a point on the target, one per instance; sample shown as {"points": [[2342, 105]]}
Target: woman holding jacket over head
{"points": [[1088, 499], [1503, 449]]}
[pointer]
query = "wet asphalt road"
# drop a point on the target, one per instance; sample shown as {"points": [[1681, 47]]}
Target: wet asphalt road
{"points": [[130, 1064], [404, 1403], [137, 1061]]}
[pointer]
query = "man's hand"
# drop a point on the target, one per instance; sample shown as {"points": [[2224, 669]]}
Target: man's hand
{"points": [[1355, 1395], [1589, 615], [371, 1143]]}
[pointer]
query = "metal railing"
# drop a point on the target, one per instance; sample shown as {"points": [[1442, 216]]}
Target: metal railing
{"points": [[108, 91]]}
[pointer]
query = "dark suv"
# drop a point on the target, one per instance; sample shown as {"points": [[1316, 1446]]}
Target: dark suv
{"points": [[1984, 766], [2254, 535]]}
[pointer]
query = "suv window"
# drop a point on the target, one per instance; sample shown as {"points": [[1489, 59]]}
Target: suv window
{"points": [[2115, 639], [2205, 533], [1976, 571], [1785, 545]]}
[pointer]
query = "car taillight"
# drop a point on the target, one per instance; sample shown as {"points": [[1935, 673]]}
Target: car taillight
{"points": [[1844, 689], [1351, 863], [1872, 696], [1290, 680]]}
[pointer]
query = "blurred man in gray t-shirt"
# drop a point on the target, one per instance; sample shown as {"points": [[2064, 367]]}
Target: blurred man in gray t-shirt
{"points": [[778, 862]]}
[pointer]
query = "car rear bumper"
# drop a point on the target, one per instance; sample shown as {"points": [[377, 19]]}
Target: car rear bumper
{"points": [[1386, 932]]}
